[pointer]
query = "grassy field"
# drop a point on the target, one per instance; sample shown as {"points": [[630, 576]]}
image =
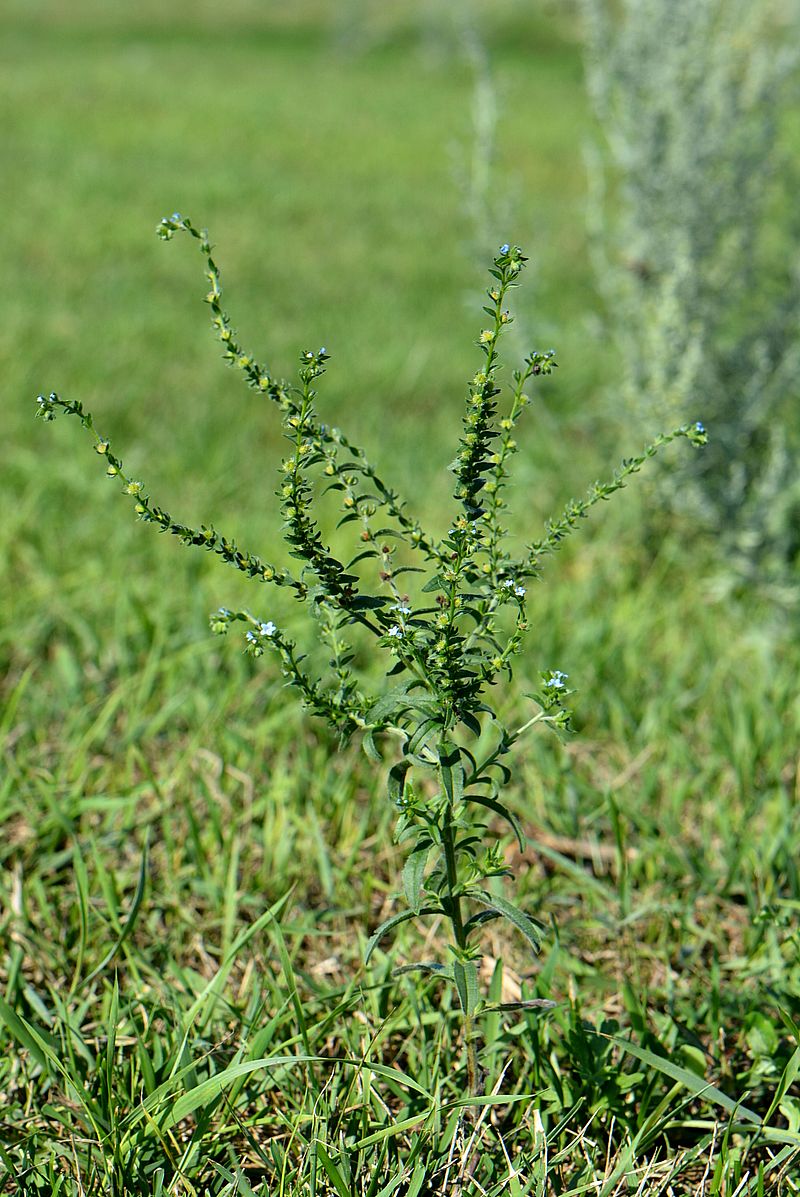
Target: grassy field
{"points": [[191, 868]]}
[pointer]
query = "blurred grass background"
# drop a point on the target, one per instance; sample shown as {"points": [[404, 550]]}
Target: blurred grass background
{"points": [[325, 148]]}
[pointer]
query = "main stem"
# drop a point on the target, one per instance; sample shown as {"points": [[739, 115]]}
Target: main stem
{"points": [[453, 897], [457, 921]]}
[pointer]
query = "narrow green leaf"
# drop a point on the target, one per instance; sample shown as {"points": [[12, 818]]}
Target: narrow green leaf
{"points": [[452, 773], [417, 1181], [291, 983], [331, 1171], [371, 750], [26, 1036], [527, 1004], [82, 894], [406, 569], [424, 966], [396, 780], [472, 723], [492, 1099], [434, 584], [423, 733], [13, 700], [128, 925], [364, 602], [523, 922], [393, 922], [414, 875], [684, 1076], [788, 1078], [210, 1089], [389, 703], [393, 1128], [502, 811], [205, 1001], [465, 975], [478, 920], [361, 556]]}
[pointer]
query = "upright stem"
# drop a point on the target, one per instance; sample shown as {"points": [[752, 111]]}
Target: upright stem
{"points": [[457, 921], [453, 897]]}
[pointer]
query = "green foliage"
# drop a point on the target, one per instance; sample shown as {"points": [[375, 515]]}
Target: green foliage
{"points": [[446, 641], [696, 253], [674, 905]]}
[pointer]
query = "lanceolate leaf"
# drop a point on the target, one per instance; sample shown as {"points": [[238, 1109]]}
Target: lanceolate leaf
{"points": [[393, 922], [434, 584], [478, 920], [370, 748], [414, 875], [424, 966], [501, 810], [396, 780], [452, 773], [422, 734], [472, 723], [526, 1004], [465, 975], [523, 922], [391, 702]]}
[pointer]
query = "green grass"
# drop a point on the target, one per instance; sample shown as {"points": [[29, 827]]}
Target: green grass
{"points": [[190, 869]]}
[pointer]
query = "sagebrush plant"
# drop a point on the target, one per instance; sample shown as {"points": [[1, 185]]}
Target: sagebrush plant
{"points": [[447, 613], [696, 253]]}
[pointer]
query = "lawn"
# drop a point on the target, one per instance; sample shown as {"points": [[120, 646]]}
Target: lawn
{"points": [[191, 866]]}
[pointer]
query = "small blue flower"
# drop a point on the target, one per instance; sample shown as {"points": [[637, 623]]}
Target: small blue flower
{"points": [[505, 248], [267, 629], [251, 637], [395, 632], [176, 216], [700, 427], [556, 680]]}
